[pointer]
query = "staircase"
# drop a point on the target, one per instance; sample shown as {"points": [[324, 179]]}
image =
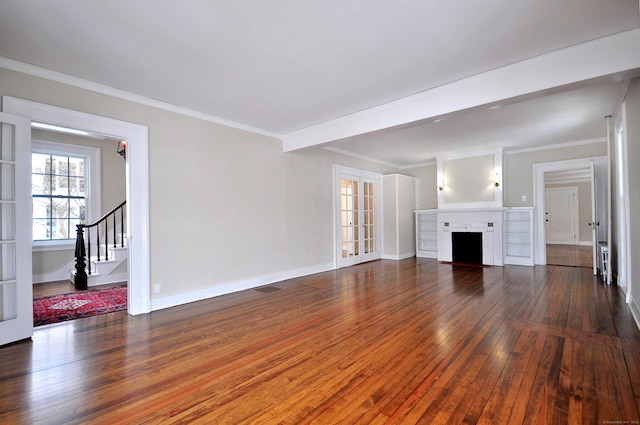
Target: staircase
{"points": [[110, 268], [105, 265]]}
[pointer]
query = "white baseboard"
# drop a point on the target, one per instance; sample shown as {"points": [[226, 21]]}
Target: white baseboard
{"points": [[61, 274], [95, 280], [585, 243], [398, 257], [635, 310], [203, 294]]}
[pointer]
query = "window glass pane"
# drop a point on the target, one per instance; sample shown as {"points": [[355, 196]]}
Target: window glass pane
{"points": [[77, 209], [59, 229], [41, 229], [40, 184], [60, 186], [59, 165], [41, 207], [76, 186], [40, 163], [59, 208], [76, 167]]}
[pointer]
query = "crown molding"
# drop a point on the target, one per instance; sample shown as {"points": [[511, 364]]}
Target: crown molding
{"points": [[555, 146], [69, 80]]}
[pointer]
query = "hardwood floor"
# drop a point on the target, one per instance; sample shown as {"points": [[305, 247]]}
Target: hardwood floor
{"points": [[387, 342], [570, 255]]}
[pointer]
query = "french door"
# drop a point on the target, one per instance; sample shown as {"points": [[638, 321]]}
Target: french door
{"points": [[357, 216], [16, 291]]}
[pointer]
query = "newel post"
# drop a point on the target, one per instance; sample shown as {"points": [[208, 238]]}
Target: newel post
{"points": [[81, 273]]}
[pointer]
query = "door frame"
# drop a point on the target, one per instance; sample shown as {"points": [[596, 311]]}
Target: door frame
{"points": [[137, 183], [337, 222], [539, 170]]}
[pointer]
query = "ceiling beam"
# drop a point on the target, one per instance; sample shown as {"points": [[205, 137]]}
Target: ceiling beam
{"points": [[607, 56]]}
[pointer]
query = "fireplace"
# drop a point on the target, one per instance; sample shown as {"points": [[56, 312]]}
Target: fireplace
{"points": [[478, 228], [466, 247]]}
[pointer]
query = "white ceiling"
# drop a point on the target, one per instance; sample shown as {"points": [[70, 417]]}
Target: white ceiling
{"points": [[280, 66]]}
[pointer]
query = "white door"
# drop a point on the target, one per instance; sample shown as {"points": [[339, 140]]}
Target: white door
{"points": [[358, 220], [16, 291], [561, 215]]}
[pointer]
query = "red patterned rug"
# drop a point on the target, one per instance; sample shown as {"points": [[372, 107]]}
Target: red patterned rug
{"points": [[58, 308]]}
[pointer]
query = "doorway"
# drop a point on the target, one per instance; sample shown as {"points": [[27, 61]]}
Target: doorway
{"points": [[137, 183], [566, 194]]}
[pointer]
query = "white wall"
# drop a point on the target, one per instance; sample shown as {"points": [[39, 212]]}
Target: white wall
{"points": [[226, 205], [518, 167]]}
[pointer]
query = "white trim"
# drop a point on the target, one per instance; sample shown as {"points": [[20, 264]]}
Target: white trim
{"points": [[242, 285], [540, 238], [137, 183], [593, 59], [555, 146], [399, 256], [58, 77], [54, 245], [635, 310], [624, 247]]}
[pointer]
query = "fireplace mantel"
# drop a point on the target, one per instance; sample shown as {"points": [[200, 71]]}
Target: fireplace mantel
{"points": [[488, 221]]}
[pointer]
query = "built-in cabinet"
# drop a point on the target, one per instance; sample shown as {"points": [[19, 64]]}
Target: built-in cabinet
{"points": [[427, 233], [518, 242]]}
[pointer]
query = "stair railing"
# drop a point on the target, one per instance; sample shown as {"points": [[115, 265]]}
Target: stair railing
{"points": [[83, 250]]}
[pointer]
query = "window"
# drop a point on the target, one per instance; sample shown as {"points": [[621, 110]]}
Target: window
{"points": [[58, 190], [62, 185]]}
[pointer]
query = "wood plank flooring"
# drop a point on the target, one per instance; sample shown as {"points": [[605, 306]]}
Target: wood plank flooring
{"points": [[387, 342], [570, 255]]}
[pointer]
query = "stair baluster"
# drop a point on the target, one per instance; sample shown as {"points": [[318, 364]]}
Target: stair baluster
{"points": [[80, 279]]}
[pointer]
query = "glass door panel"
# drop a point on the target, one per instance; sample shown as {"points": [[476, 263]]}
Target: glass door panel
{"points": [[16, 306], [358, 215]]}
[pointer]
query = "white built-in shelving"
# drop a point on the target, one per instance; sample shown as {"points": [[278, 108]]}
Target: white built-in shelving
{"points": [[518, 242], [427, 233]]}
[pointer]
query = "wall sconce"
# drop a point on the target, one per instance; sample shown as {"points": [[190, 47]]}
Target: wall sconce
{"points": [[496, 180], [440, 184], [122, 148]]}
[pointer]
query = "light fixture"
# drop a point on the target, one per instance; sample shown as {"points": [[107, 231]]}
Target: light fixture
{"points": [[440, 184], [122, 148], [496, 180]]}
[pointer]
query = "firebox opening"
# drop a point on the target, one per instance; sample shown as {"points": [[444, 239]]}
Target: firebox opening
{"points": [[466, 247]]}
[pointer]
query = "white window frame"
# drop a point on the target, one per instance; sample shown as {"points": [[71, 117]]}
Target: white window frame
{"points": [[93, 194]]}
